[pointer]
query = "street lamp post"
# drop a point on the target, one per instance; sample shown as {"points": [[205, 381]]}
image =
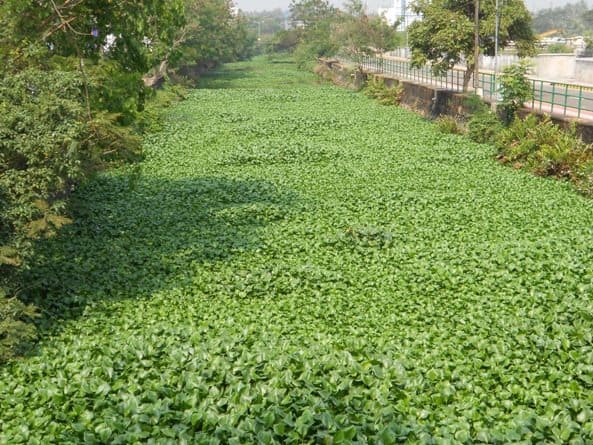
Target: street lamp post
{"points": [[477, 47], [496, 37]]}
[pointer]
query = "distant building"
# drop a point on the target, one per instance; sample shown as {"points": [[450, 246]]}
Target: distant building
{"points": [[401, 12]]}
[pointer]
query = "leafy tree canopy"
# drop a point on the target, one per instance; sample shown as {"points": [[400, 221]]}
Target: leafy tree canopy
{"points": [[311, 12], [128, 31], [361, 35], [445, 36]]}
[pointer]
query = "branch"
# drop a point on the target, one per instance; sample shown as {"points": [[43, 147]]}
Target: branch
{"points": [[65, 23]]}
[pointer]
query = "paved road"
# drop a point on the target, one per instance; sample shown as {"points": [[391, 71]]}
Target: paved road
{"points": [[565, 100]]}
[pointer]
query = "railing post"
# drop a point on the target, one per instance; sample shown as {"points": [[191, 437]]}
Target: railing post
{"points": [[565, 97], [553, 97], [580, 102]]}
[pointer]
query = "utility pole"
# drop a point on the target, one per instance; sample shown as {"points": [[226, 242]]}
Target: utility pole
{"points": [[477, 47], [494, 100]]}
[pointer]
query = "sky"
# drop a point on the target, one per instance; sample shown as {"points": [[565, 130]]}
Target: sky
{"points": [[262, 5]]}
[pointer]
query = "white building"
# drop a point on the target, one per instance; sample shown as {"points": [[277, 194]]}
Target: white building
{"points": [[401, 12]]}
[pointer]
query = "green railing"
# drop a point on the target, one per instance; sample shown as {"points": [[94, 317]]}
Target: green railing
{"points": [[568, 100]]}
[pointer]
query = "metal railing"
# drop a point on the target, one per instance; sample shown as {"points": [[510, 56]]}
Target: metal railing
{"points": [[565, 99]]}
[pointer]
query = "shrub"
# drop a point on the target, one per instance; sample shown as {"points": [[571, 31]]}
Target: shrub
{"points": [[545, 148], [588, 52], [474, 103], [583, 178], [558, 48], [377, 89], [449, 125], [484, 126], [283, 41], [45, 150], [515, 89]]}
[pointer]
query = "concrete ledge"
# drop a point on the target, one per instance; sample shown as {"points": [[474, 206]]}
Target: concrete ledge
{"points": [[427, 100]]}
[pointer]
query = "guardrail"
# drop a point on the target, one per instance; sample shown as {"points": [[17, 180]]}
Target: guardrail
{"points": [[568, 100]]}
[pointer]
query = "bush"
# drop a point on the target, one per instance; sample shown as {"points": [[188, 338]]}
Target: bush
{"points": [[448, 125], [515, 89], [283, 42], [307, 53], [484, 126], [559, 48], [546, 149], [475, 104], [46, 149], [583, 178], [377, 89], [589, 48]]}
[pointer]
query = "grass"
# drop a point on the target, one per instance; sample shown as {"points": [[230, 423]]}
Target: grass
{"points": [[294, 263]]}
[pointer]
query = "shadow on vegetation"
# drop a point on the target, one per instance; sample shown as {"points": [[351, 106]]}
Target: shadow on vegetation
{"points": [[133, 236], [225, 77]]}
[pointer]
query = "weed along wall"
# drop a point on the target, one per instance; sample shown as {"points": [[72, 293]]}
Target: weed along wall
{"points": [[429, 101]]}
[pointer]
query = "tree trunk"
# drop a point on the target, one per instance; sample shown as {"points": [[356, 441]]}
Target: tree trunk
{"points": [[467, 76], [158, 78]]}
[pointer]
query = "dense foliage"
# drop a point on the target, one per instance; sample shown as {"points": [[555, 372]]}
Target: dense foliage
{"points": [[365, 280], [266, 23], [362, 35], [36, 170]]}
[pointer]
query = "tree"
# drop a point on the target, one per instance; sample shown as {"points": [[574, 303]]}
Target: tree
{"points": [[588, 19], [211, 34], [445, 35], [308, 13], [362, 35], [265, 23], [315, 21], [516, 89]]}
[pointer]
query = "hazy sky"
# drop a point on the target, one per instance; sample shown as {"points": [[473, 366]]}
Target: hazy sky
{"points": [[261, 5]]}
